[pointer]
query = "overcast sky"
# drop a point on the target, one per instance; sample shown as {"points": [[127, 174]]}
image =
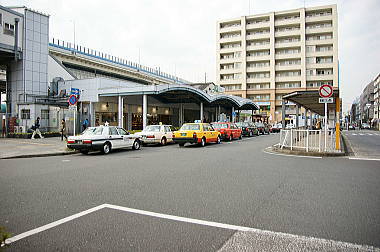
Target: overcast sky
{"points": [[179, 36]]}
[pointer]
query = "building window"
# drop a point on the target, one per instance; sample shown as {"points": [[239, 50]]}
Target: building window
{"points": [[44, 114], [9, 29], [25, 113], [310, 48]]}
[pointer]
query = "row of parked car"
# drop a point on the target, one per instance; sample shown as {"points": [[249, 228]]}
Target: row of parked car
{"points": [[106, 138]]}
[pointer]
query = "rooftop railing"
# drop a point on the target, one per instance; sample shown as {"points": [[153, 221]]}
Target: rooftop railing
{"points": [[78, 49]]}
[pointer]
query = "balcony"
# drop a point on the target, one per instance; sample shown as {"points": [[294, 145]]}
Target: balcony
{"points": [[287, 67], [230, 29], [230, 81], [317, 54], [288, 56], [320, 65], [327, 77], [319, 30], [258, 80], [287, 33], [258, 36], [258, 47], [229, 71], [320, 42], [258, 69], [230, 39], [319, 18], [258, 25], [230, 49], [258, 58], [288, 44], [287, 21], [288, 78], [229, 60]]}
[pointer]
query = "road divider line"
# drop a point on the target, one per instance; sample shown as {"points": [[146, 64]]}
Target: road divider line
{"points": [[185, 220]]}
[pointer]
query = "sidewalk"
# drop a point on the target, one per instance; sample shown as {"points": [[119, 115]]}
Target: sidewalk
{"points": [[18, 148]]}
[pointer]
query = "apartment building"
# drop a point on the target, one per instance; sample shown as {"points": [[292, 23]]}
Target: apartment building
{"points": [[376, 108], [265, 56]]}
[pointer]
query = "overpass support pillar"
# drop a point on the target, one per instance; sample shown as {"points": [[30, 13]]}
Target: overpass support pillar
{"points": [[233, 115], [121, 112], [145, 110], [201, 108], [283, 114], [297, 116]]}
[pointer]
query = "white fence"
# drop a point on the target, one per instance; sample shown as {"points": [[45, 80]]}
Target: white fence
{"points": [[308, 140]]}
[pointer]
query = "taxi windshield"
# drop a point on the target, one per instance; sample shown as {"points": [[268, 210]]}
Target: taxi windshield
{"points": [[190, 127], [152, 128], [90, 131], [220, 125]]}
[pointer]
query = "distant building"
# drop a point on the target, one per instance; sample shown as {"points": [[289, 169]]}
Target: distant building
{"points": [[367, 103], [355, 111], [208, 87], [376, 103]]}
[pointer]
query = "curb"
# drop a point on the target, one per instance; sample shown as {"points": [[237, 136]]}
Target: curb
{"points": [[41, 155], [304, 153]]}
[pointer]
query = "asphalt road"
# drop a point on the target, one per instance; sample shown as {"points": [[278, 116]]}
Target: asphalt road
{"points": [[232, 183], [364, 143]]}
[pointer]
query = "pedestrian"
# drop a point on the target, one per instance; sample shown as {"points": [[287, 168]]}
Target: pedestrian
{"points": [[36, 128], [85, 124], [63, 129]]}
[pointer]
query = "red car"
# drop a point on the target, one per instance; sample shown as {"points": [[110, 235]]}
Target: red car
{"points": [[228, 131]]}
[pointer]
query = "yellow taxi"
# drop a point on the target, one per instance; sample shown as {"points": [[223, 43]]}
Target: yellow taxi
{"points": [[200, 133]]}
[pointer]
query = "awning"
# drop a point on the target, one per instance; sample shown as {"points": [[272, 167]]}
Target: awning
{"points": [[310, 100]]}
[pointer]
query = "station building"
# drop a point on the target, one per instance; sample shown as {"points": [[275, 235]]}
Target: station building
{"points": [[38, 74]]}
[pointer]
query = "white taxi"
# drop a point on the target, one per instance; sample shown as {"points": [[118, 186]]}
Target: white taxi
{"points": [[156, 134], [104, 139]]}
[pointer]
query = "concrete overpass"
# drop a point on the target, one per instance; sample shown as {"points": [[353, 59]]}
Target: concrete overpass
{"points": [[82, 62]]}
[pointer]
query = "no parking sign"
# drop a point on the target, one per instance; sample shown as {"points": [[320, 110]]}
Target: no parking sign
{"points": [[73, 99]]}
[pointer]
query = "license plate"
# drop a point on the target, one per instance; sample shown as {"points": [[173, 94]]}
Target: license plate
{"points": [[79, 141], [183, 134], [144, 137]]}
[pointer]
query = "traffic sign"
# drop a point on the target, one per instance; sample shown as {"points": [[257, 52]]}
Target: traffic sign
{"points": [[75, 91], [73, 99], [326, 100], [325, 91]]}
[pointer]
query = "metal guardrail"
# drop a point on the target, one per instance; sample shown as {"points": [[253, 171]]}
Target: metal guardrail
{"points": [[308, 140]]}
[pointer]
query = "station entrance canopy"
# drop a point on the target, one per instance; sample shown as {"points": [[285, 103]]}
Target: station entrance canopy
{"points": [[180, 93], [310, 100]]}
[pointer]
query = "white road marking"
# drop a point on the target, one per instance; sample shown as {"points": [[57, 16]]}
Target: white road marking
{"points": [[288, 155], [369, 134], [65, 160], [51, 225], [361, 134], [366, 159], [354, 134], [186, 220]]}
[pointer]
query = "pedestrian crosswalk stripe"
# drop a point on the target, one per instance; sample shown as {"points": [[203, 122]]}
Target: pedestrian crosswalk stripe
{"points": [[354, 134]]}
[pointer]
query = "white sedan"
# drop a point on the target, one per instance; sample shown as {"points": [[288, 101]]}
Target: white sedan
{"points": [[156, 134], [103, 138]]}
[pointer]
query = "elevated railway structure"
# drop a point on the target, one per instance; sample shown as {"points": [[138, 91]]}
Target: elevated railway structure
{"points": [[82, 62]]}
